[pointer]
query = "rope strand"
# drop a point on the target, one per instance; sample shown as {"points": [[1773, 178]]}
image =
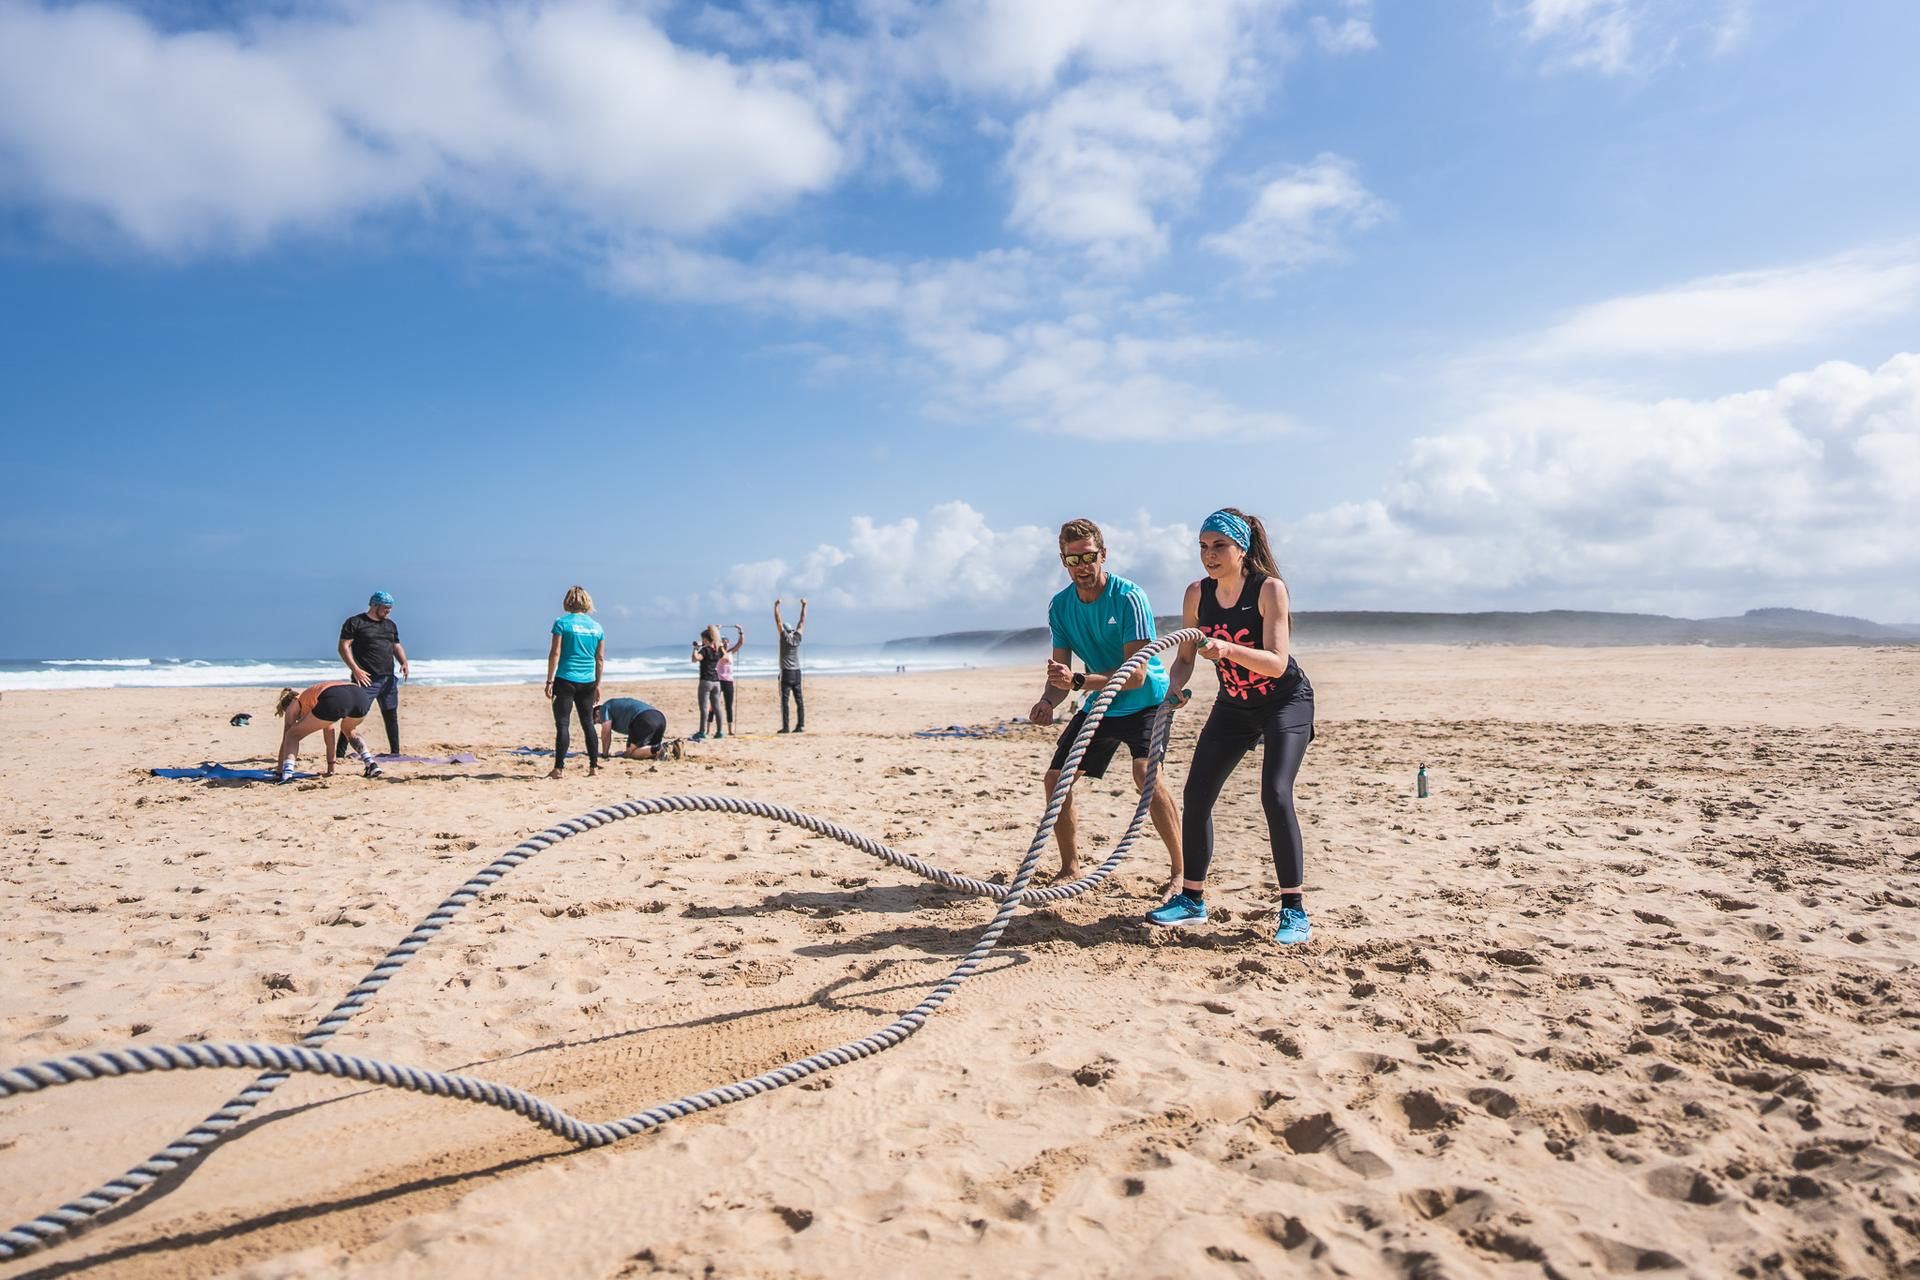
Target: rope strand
{"points": [[280, 1061]]}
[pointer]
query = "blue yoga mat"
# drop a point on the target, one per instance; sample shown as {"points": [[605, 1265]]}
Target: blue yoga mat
{"points": [[220, 773], [458, 757], [966, 731]]}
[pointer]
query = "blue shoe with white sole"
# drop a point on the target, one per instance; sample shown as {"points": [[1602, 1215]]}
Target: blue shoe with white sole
{"points": [[1179, 910], [1293, 927]]}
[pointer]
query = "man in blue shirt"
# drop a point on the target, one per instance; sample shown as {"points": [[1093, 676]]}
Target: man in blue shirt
{"points": [[1103, 620]]}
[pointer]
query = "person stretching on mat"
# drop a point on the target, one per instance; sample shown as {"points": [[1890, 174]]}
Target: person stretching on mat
{"points": [[1243, 606], [323, 706], [1104, 619], [575, 661], [644, 725], [708, 650]]}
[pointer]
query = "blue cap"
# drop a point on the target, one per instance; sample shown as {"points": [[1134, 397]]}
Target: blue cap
{"points": [[380, 597]]}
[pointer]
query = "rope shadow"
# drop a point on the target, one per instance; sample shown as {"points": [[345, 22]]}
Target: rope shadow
{"points": [[827, 997], [885, 899], [284, 1217]]}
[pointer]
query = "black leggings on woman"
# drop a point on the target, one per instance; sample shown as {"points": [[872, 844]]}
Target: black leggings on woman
{"points": [[569, 697], [1229, 734]]}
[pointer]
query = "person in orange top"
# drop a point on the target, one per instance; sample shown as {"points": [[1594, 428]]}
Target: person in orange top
{"points": [[324, 706]]}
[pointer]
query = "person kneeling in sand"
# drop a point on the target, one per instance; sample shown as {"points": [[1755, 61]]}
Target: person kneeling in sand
{"points": [[1105, 620], [645, 726], [334, 706]]}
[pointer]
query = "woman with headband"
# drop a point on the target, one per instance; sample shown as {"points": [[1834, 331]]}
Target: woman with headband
{"points": [[1264, 697]]}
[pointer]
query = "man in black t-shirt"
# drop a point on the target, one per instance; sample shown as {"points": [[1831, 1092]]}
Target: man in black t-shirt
{"points": [[369, 645]]}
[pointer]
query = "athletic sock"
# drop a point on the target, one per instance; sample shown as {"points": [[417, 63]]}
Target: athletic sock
{"points": [[1293, 901], [1198, 895]]}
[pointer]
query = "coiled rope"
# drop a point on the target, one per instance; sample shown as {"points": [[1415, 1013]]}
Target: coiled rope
{"points": [[280, 1061]]}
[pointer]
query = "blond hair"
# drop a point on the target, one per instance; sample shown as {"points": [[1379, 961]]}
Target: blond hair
{"points": [[712, 634], [284, 701], [577, 601], [1074, 530]]}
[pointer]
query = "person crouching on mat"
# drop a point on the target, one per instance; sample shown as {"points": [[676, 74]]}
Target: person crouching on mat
{"points": [[645, 726], [1105, 620], [1264, 697], [575, 662], [335, 706]]}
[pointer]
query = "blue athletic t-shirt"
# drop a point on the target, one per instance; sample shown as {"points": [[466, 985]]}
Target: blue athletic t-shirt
{"points": [[1100, 632], [579, 636], [622, 712]]}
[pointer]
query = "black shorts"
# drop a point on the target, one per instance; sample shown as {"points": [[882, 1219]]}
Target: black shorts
{"points": [[1136, 730], [343, 702], [647, 729]]}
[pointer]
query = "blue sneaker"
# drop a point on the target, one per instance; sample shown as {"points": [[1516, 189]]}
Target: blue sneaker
{"points": [[1179, 910], [1293, 927], [698, 737]]}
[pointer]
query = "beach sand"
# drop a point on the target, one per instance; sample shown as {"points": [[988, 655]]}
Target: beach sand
{"points": [[1633, 989]]}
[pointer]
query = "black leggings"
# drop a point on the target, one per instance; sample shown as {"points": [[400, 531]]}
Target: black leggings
{"points": [[569, 697], [1229, 734], [726, 691]]}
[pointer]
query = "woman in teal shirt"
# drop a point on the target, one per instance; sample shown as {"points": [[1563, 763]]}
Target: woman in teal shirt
{"points": [[574, 662]]}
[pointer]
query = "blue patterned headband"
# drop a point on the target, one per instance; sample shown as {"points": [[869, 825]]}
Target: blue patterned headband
{"points": [[1230, 524]]}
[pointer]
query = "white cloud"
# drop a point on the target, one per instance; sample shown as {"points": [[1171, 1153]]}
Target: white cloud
{"points": [[1352, 33], [182, 140], [1301, 216], [1807, 491], [968, 331], [952, 559], [1123, 104], [1743, 311], [1617, 37]]}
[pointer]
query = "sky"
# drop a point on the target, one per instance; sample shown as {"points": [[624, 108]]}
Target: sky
{"points": [[1500, 304]]}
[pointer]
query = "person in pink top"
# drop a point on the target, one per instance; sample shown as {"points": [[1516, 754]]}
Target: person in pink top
{"points": [[723, 670]]}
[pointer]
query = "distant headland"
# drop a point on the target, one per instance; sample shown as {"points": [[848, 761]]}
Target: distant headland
{"points": [[1766, 628]]}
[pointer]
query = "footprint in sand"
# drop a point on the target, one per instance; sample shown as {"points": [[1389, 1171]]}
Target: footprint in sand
{"points": [[1317, 1133]]}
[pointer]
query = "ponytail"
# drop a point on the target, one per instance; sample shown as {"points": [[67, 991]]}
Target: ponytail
{"points": [[285, 700], [1259, 550]]}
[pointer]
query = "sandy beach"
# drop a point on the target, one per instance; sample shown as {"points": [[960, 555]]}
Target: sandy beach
{"points": [[1633, 989]]}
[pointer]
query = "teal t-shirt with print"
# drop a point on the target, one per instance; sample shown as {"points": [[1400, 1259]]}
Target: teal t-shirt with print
{"points": [[579, 636], [1100, 632]]}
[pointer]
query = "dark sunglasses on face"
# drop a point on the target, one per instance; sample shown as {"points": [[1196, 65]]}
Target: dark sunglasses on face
{"points": [[1071, 559]]}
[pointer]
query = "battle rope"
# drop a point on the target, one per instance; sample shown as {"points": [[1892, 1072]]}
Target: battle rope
{"points": [[279, 1061]]}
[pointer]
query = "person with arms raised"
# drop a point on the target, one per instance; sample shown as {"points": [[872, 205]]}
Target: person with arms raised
{"points": [[790, 667]]}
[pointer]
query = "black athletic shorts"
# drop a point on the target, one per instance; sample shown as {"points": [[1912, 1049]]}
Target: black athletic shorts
{"points": [[343, 701], [647, 729], [1135, 730]]}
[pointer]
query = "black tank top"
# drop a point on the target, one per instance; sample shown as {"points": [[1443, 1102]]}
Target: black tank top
{"points": [[1241, 624]]}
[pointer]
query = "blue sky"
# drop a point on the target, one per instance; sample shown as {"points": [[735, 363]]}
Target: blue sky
{"points": [[1564, 303]]}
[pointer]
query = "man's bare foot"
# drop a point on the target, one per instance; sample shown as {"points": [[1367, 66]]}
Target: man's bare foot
{"points": [[557, 773], [1068, 871], [592, 769]]}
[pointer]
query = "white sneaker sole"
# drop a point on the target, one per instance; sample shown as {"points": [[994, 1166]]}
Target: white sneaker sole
{"points": [[1189, 923]]}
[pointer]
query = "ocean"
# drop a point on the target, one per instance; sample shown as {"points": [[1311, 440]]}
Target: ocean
{"points": [[297, 673]]}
